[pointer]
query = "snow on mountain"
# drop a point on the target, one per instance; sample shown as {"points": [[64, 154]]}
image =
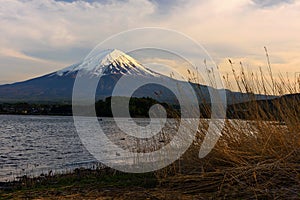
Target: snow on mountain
{"points": [[108, 62]]}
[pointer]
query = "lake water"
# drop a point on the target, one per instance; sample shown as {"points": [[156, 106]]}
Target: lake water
{"points": [[37, 144], [32, 145]]}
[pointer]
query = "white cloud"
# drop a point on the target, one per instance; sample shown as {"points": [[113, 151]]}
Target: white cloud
{"points": [[243, 27], [33, 29], [55, 24]]}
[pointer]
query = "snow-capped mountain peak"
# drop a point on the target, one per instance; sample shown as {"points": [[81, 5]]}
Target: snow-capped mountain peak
{"points": [[111, 61]]}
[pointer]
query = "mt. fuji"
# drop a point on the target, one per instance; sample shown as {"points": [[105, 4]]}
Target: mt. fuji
{"points": [[109, 66], [107, 63]]}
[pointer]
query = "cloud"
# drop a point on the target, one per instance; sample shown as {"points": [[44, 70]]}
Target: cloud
{"points": [[63, 31], [162, 5], [49, 29], [58, 24], [271, 3], [16, 54]]}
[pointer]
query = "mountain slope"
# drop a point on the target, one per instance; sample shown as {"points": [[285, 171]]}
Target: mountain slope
{"points": [[111, 65]]}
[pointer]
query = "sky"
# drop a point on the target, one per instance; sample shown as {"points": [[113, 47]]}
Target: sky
{"points": [[38, 37]]}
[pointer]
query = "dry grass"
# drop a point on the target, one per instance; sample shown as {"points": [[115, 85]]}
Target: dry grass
{"points": [[254, 159]]}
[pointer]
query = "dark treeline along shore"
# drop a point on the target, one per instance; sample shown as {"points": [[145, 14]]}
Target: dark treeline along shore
{"points": [[139, 107]]}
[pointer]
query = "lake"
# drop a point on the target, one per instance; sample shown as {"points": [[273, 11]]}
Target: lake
{"points": [[32, 145], [37, 144]]}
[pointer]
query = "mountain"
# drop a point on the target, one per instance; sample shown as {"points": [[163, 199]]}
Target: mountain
{"points": [[107, 63], [279, 108], [112, 65], [58, 86]]}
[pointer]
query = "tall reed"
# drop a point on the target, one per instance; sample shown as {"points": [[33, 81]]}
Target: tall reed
{"points": [[255, 158]]}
